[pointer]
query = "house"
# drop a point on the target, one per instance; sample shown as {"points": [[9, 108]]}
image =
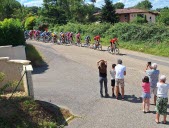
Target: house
{"points": [[129, 14]]}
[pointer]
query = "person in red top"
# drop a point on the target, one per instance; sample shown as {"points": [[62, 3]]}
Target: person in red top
{"points": [[97, 40], [146, 94], [78, 38], [113, 43]]}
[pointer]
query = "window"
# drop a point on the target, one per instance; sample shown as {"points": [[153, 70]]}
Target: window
{"points": [[125, 16]]}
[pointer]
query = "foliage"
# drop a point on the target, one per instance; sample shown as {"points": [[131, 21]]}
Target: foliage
{"points": [[8, 8], [164, 16], [33, 55], [119, 5], [145, 4], [30, 22], [2, 76], [108, 13], [11, 33], [140, 19]]}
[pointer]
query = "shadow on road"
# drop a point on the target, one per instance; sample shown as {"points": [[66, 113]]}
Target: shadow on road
{"points": [[133, 99], [41, 69], [55, 111]]}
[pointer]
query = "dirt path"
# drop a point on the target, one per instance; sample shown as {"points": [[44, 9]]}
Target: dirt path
{"points": [[71, 80]]}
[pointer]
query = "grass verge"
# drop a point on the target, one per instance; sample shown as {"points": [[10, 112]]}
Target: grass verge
{"points": [[24, 112], [159, 49], [34, 56]]}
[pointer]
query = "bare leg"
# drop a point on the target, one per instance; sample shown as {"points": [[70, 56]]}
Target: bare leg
{"points": [[164, 120], [155, 98], [122, 92], [143, 105], [117, 91], [112, 90], [157, 117], [148, 104]]}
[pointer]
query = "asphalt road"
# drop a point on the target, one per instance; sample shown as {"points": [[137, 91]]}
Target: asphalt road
{"points": [[70, 80]]}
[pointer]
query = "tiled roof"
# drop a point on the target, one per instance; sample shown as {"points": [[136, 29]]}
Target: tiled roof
{"points": [[132, 10]]}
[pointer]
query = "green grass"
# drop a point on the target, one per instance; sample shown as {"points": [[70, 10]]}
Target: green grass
{"points": [[34, 56], [161, 49]]}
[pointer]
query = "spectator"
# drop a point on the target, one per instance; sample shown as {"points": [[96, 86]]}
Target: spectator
{"points": [[112, 73], [153, 75], [162, 100], [146, 94], [102, 66], [120, 72]]}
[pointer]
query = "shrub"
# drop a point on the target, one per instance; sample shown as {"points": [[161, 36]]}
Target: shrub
{"points": [[30, 22], [11, 33]]}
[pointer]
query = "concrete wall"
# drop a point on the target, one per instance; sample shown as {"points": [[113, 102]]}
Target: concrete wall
{"points": [[13, 70], [13, 52]]}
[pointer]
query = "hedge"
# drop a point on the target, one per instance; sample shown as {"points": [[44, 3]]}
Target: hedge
{"points": [[11, 33]]}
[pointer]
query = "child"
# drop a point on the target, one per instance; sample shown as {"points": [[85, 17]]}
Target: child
{"points": [[112, 72], [146, 94]]}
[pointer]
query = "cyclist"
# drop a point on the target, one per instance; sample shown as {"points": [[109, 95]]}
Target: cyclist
{"points": [[97, 40], [54, 37], [87, 39], [78, 38], [113, 43], [71, 37], [31, 34]]}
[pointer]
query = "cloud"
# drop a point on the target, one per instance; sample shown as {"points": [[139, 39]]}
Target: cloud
{"points": [[30, 3]]}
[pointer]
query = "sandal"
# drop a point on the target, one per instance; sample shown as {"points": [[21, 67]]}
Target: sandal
{"points": [[156, 122], [164, 122]]}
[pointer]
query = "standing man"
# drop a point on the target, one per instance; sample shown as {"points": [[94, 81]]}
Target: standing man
{"points": [[153, 75], [120, 73]]}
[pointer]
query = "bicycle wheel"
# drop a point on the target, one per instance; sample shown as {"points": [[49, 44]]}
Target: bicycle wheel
{"points": [[117, 51], [100, 47], [109, 49]]}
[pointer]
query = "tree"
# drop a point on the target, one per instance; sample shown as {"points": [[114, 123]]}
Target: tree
{"points": [[8, 8], [108, 13], [164, 16], [146, 4], [119, 5]]}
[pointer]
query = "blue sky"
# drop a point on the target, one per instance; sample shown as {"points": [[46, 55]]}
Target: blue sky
{"points": [[99, 3]]}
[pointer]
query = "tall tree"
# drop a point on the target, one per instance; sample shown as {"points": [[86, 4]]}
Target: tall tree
{"points": [[8, 8], [108, 13], [145, 4], [119, 5], [164, 16]]}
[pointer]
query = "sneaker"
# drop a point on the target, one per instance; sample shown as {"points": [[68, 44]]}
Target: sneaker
{"points": [[113, 95], [119, 94], [107, 95]]}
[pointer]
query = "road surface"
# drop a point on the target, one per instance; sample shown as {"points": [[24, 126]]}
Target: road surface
{"points": [[70, 80]]}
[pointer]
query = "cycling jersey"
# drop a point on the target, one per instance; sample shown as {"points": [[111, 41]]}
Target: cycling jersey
{"points": [[114, 40], [97, 38]]}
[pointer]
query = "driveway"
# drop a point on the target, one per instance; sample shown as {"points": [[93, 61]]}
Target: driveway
{"points": [[70, 80]]}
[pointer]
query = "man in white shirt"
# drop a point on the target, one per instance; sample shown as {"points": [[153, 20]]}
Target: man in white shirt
{"points": [[120, 73]]}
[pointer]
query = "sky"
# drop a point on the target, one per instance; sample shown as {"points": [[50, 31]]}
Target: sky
{"points": [[100, 3]]}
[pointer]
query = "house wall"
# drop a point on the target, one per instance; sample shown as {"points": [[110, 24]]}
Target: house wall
{"points": [[124, 18], [148, 15], [13, 52]]}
